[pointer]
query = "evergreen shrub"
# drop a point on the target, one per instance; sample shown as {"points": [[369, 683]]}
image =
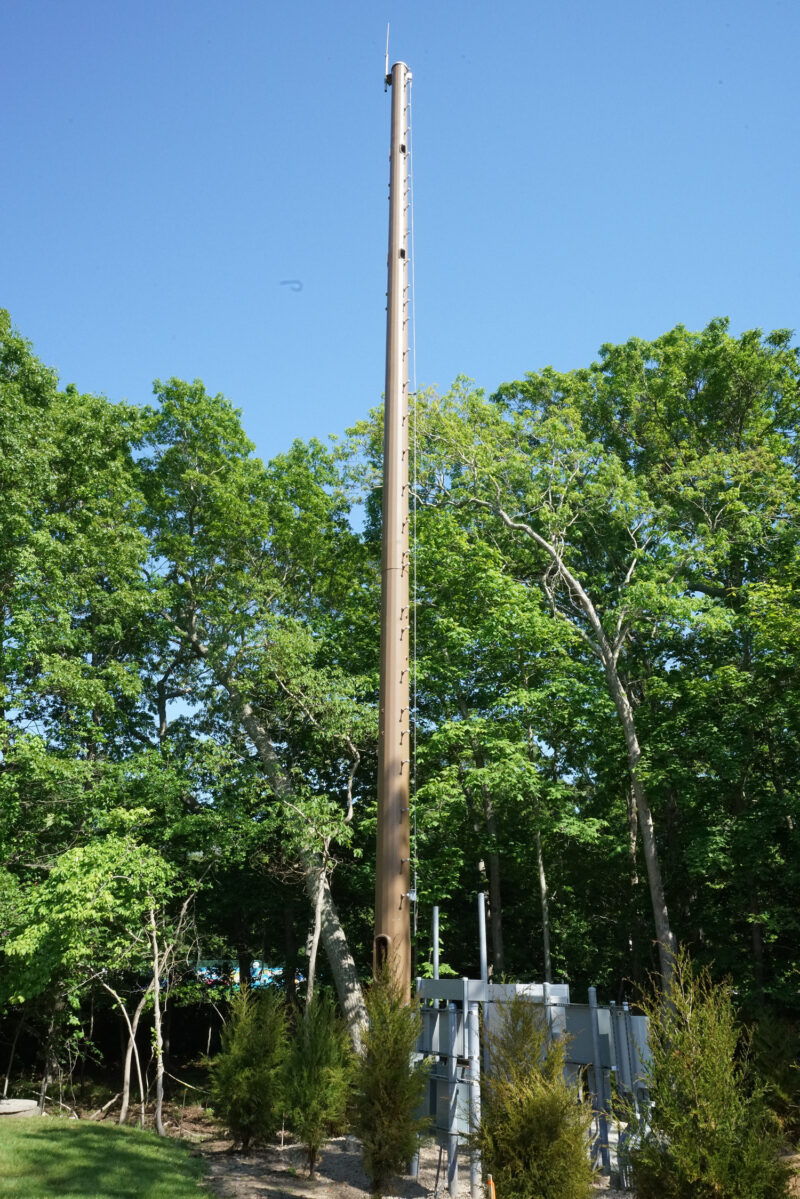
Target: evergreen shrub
{"points": [[389, 1088], [318, 1075], [709, 1134], [247, 1079], [534, 1132]]}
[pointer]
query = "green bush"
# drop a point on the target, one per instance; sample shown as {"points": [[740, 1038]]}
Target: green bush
{"points": [[318, 1074], [534, 1133], [710, 1134], [247, 1073], [389, 1089]]}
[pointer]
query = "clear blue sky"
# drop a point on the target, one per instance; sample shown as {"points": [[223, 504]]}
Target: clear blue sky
{"points": [[584, 172]]}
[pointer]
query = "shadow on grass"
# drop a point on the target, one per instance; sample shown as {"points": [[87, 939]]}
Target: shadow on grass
{"points": [[42, 1157]]}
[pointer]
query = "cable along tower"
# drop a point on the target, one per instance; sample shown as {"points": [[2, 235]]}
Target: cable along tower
{"points": [[393, 895]]}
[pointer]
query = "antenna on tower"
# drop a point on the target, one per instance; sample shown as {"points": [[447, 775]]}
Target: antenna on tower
{"points": [[387, 79]]}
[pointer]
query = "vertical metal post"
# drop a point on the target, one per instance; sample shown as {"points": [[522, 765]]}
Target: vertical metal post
{"points": [[436, 941], [482, 937], [630, 1056], [452, 1095], [392, 874], [599, 1085], [474, 1050]]}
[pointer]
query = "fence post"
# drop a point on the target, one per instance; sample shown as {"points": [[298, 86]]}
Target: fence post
{"points": [[599, 1084], [452, 1088], [474, 1050]]}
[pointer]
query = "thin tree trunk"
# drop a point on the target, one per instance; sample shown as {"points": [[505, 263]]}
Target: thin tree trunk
{"points": [[244, 959], [159, 1039], [343, 968], [46, 1073], [608, 651], [756, 937], [12, 1054], [495, 901], [313, 947], [633, 834], [665, 937], [545, 902], [131, 1051], [489, 866]]}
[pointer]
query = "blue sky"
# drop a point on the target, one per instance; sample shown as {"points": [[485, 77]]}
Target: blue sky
{"points": [[584, 172]]}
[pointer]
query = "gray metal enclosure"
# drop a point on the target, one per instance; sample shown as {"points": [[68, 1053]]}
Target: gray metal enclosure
{"points": [[602, 1042]]}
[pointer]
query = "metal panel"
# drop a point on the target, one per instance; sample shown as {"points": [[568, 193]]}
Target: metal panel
{"points": [[451, 990]]}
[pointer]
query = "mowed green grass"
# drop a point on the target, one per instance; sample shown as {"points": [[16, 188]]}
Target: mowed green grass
{"points": [[40, 1157]]}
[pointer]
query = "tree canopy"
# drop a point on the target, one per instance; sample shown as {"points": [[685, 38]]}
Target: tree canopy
{"points": [[606, 660]]}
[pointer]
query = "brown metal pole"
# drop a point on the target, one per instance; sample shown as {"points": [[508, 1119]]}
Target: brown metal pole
{"points": [[392, 874]]}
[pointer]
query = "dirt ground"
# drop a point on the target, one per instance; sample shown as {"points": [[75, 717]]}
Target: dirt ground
{"points": [[282, 1174]]}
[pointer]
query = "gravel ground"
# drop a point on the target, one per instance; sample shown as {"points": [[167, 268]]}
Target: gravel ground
{"points": [[281, 1174]]}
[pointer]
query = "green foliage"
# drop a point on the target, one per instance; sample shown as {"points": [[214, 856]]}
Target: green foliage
{"points": [[247, 1075], [43, 1158], [90, 909], [533, 1134], [710, 1134], [389, 1087], [776, 1057], [318, 1072]]}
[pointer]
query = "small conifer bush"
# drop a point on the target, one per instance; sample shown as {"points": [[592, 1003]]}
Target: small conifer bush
{"points": [[318, 1074], [247, 1075], [709, 1133], [389, 1088], [534, 1132]]}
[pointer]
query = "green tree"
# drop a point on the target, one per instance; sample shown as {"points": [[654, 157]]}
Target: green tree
{"points": [[627, 493], [239, 586], [318, 1074], [388, 1086], [533, 1134], [709, 1132], [247, 1075]]}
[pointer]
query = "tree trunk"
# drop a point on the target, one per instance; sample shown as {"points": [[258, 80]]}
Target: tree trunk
{"points": [[495, 901], [489, 868], [633, 834], [159, 1039], [290, 961], [244, 959], [343, 968], [131, 1051], [664, 935], [756, 937], [314, 945], [48, 1068], [12, 1053], [545, 902], [608, 653]]}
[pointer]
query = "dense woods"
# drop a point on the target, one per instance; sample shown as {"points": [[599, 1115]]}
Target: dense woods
{"points": [[606, 675]]}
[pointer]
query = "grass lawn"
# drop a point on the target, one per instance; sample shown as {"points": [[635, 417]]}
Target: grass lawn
{"points": [[40, 1157]]}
